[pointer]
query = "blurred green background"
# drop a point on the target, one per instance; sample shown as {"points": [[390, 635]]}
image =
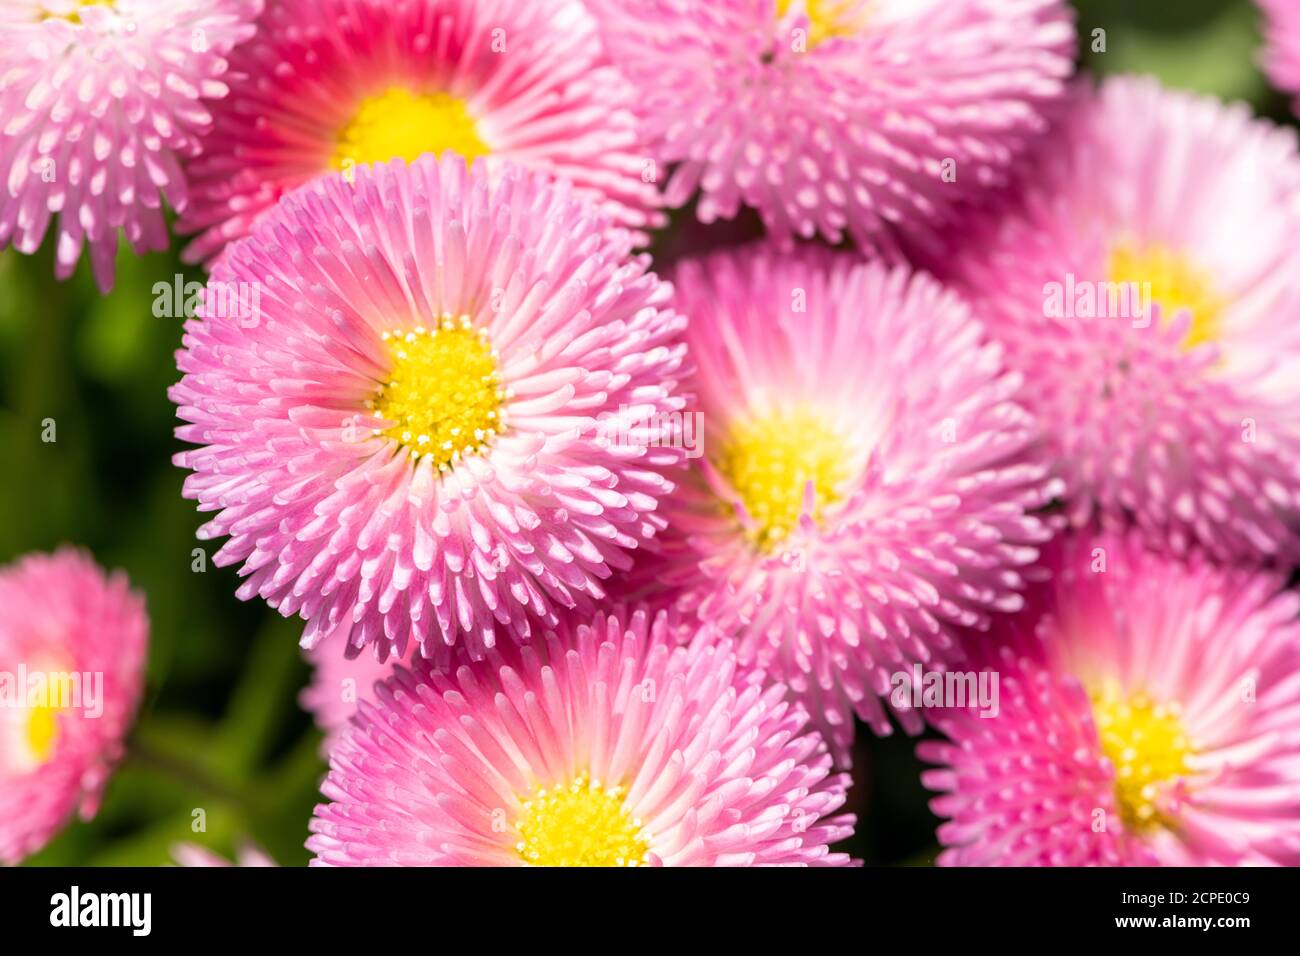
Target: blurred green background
{"points": [[219, 729]]}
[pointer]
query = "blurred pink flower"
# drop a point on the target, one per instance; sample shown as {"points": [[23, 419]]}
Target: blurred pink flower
{"points": [[339, 684], [72, 650], [193, 855], [1147, 286], [1282, 55]]}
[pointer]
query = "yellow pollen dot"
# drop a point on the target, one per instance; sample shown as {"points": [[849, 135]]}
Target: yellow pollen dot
{"points": [[1175, 283], [42, 731], [769, 460], [443, 395], [399, 124], [582, 824], [1146, 743], [827, 19]]}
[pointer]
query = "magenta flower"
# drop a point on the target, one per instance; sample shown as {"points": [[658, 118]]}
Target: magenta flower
{"points": [[866, 476], [1146, 287], [403, 392], [100, 103], [72, 649], [1148, 714], [329, 85], [1282, 55], [626, 742], [871, 119]]}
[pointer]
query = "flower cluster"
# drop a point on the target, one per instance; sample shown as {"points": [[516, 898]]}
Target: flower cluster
{"points": [[602, 569]]}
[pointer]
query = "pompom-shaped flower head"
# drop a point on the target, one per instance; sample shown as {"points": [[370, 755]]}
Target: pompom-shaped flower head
{"points": [[1147, 714], [863, 476], [1282, 55], [868, 117], [402, 388], [328, 85], [72, 651], [99, 103], [628, 741], [1148, 288]]}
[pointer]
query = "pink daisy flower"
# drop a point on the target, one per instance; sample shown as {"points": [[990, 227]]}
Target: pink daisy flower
{"points": [[328, 85], [1148, 714], [405, 436], [100, 102], [865, 479], [868, 117], [72, 651], [1147, 287], [339, 684], [627, 742], [1282, 56]]}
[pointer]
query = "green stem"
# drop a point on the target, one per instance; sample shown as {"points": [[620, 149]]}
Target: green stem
{"points": [[184, 771]]}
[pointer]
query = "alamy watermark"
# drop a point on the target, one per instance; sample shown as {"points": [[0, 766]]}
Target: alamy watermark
{"points": [[235, 301], [630, 427], [917, 689], [1085, 299], [133, 911], [59, 690]]}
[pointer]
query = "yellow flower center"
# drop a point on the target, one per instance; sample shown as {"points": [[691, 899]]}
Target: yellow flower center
{"points": [[75, 15], [443, 394], [769, 462], [42, 732], [1176, 284], [1148, 747], [399, 124], [579, 825], [827, 19]]}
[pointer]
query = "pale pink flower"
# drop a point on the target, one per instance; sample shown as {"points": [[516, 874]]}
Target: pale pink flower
{"points": [[339, 683], [405, 423], [865, 478], [1147, 286], [247, 855]]}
